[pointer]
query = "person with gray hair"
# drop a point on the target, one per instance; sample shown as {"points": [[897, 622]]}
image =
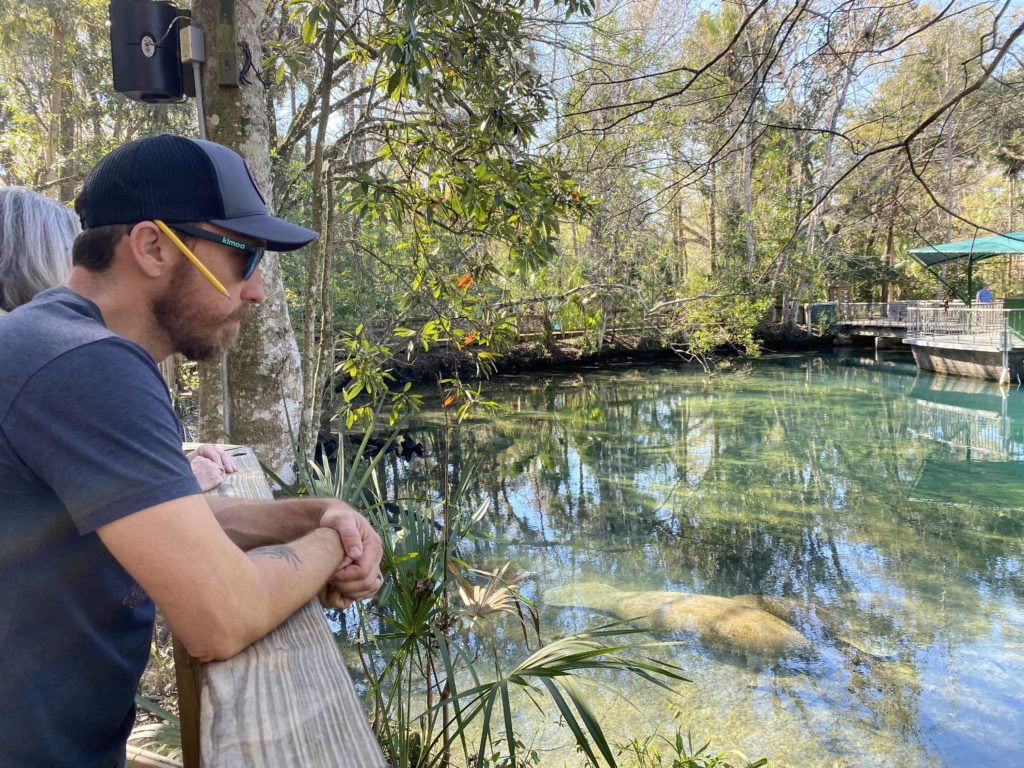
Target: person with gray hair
{"points": [[36, 234]]}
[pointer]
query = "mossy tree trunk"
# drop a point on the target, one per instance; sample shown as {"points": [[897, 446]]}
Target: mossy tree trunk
{"points": [[262, 383]]}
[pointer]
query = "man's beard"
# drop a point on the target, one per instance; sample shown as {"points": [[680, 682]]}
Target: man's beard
{"points": [[196, 335]]}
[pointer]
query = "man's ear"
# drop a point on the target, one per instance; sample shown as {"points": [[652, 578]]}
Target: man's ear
{"points": [[149, 249]]}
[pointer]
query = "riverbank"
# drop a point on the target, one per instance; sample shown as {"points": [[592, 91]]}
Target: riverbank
{"points": [[566, 354], [572, 353]]}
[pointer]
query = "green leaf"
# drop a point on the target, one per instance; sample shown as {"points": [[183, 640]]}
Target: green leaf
{"points": [[396, 84], [156, 709], [309, 30]]}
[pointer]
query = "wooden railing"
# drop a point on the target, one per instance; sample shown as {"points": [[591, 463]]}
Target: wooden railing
{"points": [[287, 701]]}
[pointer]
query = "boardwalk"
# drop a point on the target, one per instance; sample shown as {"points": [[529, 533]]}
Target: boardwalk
{"points": [[982, 341]]}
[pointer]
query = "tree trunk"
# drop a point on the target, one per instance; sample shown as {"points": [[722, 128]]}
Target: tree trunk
{"points": [[748, 194], [54, 107], [889, 253], [66, 136], [820, 194], [318, 318], [264, 380], [713, 217], [1012, 227]]}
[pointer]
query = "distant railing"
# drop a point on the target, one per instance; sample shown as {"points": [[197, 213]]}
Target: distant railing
{"points": [[885, 313], [989, 324]]}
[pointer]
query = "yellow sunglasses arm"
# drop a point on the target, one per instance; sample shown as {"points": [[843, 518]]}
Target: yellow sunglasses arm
{"points": [[192, 257]]}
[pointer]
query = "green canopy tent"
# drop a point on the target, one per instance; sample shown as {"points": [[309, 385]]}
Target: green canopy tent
{"points": [[975, 249]]}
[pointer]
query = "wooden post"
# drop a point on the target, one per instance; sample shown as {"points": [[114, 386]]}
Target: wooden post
{"points": [[167, 370], [188, 674]]}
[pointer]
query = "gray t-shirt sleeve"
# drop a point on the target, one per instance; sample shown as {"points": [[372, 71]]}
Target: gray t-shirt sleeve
{"points": [[96, 425]]}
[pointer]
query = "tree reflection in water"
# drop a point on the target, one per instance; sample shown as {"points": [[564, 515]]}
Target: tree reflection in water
{"points": [[881, 510]]}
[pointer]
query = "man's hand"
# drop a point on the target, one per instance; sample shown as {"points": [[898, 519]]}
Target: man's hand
{"points": [[358, 576], [332, 598], [256, 524]]}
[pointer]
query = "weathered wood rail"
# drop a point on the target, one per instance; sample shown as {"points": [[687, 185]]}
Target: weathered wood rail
{"points": [[284, 702]]}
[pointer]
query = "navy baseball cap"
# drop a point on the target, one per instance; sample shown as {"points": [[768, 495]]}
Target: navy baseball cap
{"points": [[179, 180]]}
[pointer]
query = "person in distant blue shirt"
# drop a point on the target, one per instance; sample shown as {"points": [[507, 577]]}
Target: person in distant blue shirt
{"points": [[984, 295]]}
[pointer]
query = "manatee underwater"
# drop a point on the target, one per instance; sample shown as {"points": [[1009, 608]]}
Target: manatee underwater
{"points": [[717, 621], [877, 646]]}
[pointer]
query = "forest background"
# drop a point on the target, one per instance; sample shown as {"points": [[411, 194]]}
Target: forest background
{"points": [[686, 165]]}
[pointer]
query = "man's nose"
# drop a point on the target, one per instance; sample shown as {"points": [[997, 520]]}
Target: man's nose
{"points": [[252, 289]]}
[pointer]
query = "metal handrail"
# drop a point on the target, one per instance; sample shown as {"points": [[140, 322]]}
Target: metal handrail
{"points": [[990, 324], [889, 312]]}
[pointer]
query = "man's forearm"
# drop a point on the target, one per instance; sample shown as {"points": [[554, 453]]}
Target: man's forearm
{"points": [[291, 574], [218, 599], [250, 524], [254, 524]]}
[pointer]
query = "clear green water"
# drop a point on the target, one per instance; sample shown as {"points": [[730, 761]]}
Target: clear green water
{"points": [[883, 507]]}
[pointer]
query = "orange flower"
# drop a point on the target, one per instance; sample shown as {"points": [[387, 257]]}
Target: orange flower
{"points": [[470, 338], [448, 401], [465, 281]]}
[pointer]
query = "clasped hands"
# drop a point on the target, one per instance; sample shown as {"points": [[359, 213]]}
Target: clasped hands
{"points": [[358, 576]]}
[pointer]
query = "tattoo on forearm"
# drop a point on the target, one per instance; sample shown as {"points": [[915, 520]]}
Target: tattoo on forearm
{"points": [[279, 552]]}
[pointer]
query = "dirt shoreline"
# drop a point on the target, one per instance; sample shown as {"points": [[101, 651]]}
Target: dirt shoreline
{"points": [[569, 355]]}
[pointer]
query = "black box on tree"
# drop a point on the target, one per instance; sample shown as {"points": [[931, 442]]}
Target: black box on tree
{"points": [[145, 50]]}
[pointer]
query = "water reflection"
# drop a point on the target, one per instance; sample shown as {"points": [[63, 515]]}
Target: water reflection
{"points": [[982, 425], [983, 420], [878, 510]]}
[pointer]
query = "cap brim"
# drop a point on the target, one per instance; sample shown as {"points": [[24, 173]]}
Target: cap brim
{"points": [[279, 234]]}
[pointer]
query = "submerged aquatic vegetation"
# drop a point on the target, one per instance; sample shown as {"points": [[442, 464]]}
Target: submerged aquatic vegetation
{"points": [[679, 752], [442, 682], [440, 688]]}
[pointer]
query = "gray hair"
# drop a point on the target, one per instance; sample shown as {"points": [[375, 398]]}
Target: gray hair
{"points": [[36, 234]]}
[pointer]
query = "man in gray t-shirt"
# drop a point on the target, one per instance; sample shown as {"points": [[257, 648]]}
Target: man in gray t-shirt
{"points": [[100, 515]]}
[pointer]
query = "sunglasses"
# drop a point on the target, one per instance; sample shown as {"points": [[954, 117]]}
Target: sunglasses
{"points": [[253, 253]]}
